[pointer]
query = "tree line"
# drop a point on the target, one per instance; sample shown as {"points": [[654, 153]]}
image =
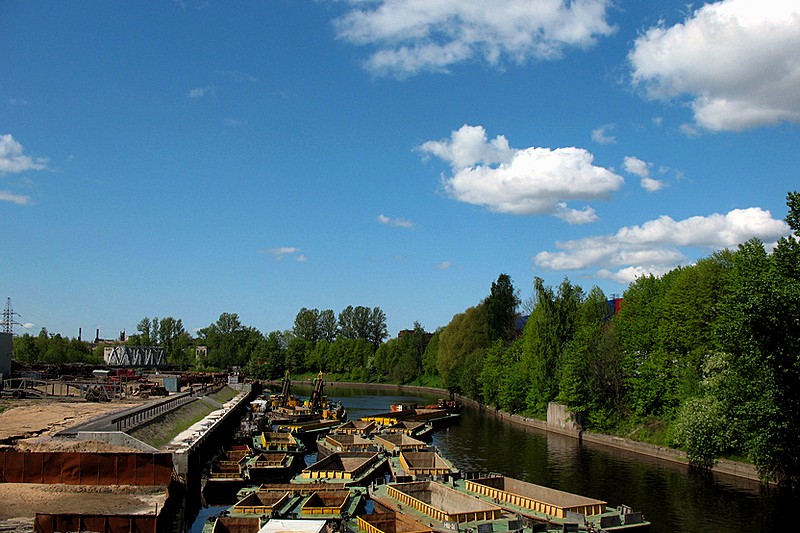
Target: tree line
{"points": [[705, 358]]}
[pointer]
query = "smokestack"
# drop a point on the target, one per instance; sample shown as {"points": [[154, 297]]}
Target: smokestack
{"points": [[79, 334], [97, 336]]}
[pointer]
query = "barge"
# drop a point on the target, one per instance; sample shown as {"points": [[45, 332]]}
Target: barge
{"points": [[427, 493], [273, 441], [544, 504], [343, 442], [349, 468]]}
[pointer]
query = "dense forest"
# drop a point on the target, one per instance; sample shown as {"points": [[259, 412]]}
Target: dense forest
{"points": [[705, 358]]}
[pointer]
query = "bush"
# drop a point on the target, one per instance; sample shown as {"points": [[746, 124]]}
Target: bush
{"points": [[702, 430]]}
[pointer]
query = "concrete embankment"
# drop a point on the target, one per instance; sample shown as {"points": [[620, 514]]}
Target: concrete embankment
{"points": [[186, 447], [558, 422]]}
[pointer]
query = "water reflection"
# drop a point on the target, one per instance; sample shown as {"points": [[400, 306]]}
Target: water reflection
{"points": [[671, 496]]}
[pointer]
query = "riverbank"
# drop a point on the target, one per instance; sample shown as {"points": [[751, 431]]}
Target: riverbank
{"points": [[723, 466]]}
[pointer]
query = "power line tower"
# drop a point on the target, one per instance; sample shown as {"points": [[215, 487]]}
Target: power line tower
{"points": [[8, 322]]}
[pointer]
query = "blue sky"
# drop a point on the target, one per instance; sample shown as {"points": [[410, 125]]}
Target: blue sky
{"points": [[189, 158]]}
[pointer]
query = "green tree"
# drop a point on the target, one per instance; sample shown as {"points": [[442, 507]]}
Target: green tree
{"points": [[296, 351], [353, 357], [759, 328], [363, 323], [306, 325], [25, 348], [493, 373], [501, 310], [175, 340], [147, 333], [462, 344], [347, 328], [430, 357], [704, 427], [270, 360], [688, 312], [580, 386], [229, 342], [651, 373], [327, 325], [399, 360], [376, 327], [548, 329], [514, 389]]}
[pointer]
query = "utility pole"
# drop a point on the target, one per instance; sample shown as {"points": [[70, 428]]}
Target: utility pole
{"points": [[8, 322]]}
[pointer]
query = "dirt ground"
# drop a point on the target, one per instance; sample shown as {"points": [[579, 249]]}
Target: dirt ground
{"points": [[31, 424], [24, 500]]}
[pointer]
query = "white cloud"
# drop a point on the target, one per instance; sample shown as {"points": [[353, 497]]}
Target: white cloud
{"points": [[199, 92], [637, 167], [7, 196], [395, 222], [283, 251], [654, 247], [431, 35], [529, 181], [444, 265], [28, 325], [602, 135], [737, 60], [652, 184], [628, 275], [12, 159], [640, 168], [575, 216], [690, 130]]}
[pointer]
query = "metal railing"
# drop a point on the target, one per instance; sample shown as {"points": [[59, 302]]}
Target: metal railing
{"points": [[151, 411]]}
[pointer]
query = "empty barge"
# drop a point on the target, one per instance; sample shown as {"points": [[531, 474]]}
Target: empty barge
{"points": [[554, 506]]}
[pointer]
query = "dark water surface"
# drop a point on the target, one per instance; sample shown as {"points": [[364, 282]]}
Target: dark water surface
{"points": [[671, 496]]}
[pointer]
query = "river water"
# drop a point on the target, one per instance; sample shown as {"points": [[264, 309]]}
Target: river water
{"points": [[671, 496]]}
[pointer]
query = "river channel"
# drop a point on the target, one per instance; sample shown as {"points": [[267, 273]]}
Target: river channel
{"points": [[671, 496]]}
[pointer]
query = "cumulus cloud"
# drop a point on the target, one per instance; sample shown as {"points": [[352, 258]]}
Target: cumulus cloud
{"points": [[575, 216], [652, 184], [19, 199], [602, 135], [395, 222], [284, 251], [737, 60], [12, 158], [529, 181], [654, 247], [431, 35], [637, 167]]}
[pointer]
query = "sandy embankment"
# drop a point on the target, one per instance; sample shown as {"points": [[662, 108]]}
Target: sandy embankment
{"points": [[31, 425]]}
